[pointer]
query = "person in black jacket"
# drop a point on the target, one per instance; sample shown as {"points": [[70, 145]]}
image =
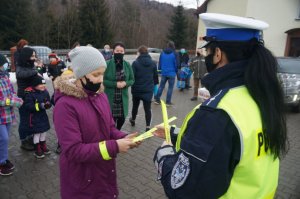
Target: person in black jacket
{"points": [[25, 71], [231, 143], [37, 100], [145, 72], [56, 66]]}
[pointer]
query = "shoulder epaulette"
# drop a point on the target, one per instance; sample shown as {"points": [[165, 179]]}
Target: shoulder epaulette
{"points": [[214, 100]]}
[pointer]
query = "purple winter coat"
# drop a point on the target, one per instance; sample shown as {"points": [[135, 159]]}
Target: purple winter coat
{"points": [[81, 121]]}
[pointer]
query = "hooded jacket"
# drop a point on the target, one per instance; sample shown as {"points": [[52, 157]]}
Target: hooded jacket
{"points": [[87, 120], [145, 72], [37, 119], [168, 62], [24, 71]]}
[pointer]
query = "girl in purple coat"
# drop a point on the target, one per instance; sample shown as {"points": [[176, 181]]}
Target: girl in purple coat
{"points": [[86, 130]]}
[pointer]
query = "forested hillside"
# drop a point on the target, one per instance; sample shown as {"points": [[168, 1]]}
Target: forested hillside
{"points": [[59, 23]]}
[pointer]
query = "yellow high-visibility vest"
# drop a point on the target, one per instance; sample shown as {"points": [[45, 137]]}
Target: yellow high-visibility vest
{"points": [[256, 175]]}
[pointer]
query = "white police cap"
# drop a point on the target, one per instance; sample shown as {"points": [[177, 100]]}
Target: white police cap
{"points": [[221, 27]]}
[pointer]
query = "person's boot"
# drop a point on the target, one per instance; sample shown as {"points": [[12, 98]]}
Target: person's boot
{"points": [[25, 145], [39, 154], [132, 122], [58, 149], [45, 148], [5, 169]]}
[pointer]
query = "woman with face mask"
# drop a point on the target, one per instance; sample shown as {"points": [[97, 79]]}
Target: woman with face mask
{"points": [[25, 72], [230, 145], [117, 78], [86, 130]]}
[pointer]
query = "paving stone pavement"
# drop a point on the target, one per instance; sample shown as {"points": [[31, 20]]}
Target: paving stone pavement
{"points": [[39, 179]]}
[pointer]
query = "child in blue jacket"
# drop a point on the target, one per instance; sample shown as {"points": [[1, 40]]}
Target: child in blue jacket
{"points": [[37, 100]]}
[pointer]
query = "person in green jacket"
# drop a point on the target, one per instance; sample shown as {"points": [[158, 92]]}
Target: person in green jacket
{"points": [[117, 78]]}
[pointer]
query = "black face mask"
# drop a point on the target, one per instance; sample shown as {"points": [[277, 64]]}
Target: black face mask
{"points": [[30, 62], [90, 86], [118, 57], [198, 54], [210, 66]]}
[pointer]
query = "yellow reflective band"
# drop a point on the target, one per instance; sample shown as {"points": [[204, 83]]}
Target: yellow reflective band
{"points": [[184, 125], [165, 120], [37, 108], [149, 134], [103, 150], [7, 101]]}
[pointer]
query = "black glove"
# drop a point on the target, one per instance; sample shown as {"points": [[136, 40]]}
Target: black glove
{"points": [[47, 105]]}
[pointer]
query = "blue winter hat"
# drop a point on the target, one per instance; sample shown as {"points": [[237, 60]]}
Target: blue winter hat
{"points": [[221, 27]]}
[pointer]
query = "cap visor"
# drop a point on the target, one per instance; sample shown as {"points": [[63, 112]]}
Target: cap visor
{"points": [[204, 44]]}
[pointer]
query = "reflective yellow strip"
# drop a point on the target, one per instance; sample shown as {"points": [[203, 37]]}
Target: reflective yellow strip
{"points": [[149, 133], [7, 102], [165, 120], [37, 108], [103, 150], [183, 127]]}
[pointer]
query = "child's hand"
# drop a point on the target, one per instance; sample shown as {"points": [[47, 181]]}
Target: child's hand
{"points": [[47, 105], [124, 144], [134, 144]]}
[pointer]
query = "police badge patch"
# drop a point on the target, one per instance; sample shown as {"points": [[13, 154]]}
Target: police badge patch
{"points": [[180, 171]]}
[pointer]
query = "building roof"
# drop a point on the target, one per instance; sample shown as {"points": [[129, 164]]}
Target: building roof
{"points": [[202, 8]]}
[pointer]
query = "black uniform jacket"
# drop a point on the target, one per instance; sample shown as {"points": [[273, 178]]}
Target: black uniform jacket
{"points": [[210, 148]]}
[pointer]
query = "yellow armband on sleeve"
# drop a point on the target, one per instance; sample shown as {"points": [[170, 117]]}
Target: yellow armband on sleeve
{"points": [[37, 108], [103, 150], [7, 101]]}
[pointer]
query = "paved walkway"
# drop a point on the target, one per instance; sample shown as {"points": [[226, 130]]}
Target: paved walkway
{"points": [[39, 179]]}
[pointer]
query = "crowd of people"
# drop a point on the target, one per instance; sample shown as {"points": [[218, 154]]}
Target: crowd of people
{"points": [[218, 151]]}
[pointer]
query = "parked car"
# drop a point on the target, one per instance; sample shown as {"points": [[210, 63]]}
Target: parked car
{"points": [[289, 75], [42, 53]]}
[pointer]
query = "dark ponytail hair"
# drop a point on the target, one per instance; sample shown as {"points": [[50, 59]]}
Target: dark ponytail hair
{"points": [[263, 85]]}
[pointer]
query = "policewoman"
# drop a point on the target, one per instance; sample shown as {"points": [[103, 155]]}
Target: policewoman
{"points": [[229, 146]]}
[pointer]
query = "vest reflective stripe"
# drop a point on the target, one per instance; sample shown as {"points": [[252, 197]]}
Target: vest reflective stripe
{"points": [[103, 150], [256, 175], [183, 127]]}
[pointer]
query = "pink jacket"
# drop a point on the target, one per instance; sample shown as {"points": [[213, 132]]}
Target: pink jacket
{"points": [[81, 121]]}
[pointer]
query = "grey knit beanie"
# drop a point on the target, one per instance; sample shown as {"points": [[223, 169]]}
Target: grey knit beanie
{"points": [[86, 59]]}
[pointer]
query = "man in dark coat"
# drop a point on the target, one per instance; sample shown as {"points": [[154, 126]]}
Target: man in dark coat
{"points": [[198, 66]]}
